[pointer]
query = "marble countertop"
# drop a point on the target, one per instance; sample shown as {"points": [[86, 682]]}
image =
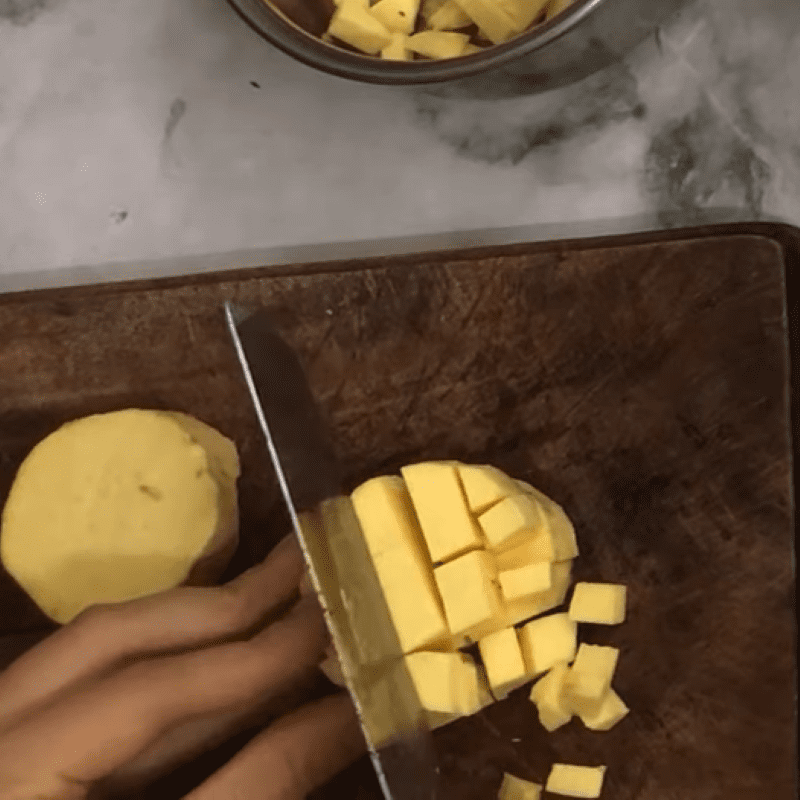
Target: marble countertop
{"points": [[143, 137]]}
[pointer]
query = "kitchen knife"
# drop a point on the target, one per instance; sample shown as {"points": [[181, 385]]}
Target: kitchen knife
{"points": [[339, 564]]}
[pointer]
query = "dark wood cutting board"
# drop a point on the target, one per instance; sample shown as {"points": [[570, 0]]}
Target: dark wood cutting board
{"points": [[642, 382]]}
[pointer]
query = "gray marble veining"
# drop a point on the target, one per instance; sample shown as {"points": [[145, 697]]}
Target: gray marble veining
{"points": [[168, 134]]}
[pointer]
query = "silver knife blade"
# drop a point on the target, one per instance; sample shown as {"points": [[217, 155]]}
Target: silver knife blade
{"points": [[339, 564]]}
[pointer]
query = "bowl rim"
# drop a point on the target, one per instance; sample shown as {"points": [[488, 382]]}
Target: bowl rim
{"points": [[277, 28]]}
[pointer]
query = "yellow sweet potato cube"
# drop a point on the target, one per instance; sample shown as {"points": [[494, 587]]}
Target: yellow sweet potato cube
{"points": [[524, 12], [610, 711], [435, 488], [516, 611], [600, 603], [447, 18], [438, 44], [525, 581], [590, 677], [495, 23], [536, 547], [503, 662], [553, 541], [511, 520], [514, 788], [403, 566], [353, 24], [398, 16], [429, 7], [548, 696], [416, 612], [484, 485], [548, 640], [384, 511], [575, 781], [470, 594], [397, 50], [447, 683]]}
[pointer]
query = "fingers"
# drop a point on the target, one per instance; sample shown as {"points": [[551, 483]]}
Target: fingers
{"points": [[178, 619], [296, 755], [93, 730], [189, 740]]}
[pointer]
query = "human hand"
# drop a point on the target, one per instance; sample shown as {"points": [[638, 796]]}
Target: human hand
{"points": [[128, 691]]}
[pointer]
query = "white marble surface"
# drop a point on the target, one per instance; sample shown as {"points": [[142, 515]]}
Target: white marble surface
{"points": [[133, 142]]}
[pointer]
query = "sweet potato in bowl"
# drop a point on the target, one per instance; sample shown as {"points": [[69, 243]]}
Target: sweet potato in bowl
{"points": [[407, 30]]}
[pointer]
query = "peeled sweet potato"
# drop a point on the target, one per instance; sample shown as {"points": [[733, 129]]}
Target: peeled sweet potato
{"points": [[121, 505]]}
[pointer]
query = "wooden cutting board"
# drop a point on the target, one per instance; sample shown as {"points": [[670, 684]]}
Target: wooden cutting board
{"points": [[642, 382]]}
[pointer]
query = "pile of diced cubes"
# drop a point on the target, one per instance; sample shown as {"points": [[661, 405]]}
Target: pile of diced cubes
{"points": [[465, 554], [400, 30]]}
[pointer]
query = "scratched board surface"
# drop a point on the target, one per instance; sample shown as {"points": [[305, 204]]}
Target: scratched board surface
{"points": [[644, 385]]}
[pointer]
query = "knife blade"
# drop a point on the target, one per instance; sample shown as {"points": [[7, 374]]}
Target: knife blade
{"points": [[340, 567]]}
